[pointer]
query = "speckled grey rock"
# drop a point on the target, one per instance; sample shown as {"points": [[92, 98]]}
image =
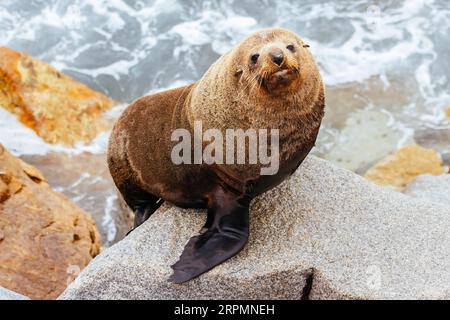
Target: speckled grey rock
{"points": [[6, 294], [432, 188], [324, 233]]}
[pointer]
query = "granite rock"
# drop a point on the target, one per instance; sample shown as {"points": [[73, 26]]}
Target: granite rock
{"points": [[325, 233], [432, 188]]}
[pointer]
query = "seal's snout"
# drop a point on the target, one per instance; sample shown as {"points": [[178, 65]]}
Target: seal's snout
{"points": [[277, 57], [280, 78]]}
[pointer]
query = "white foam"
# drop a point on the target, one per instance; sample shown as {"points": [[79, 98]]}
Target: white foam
{"points": [[110, 212], [115, 22], [21, 140], [228, 29]]}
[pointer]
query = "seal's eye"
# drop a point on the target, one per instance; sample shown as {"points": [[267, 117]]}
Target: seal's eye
{"points": [[291, 48], [254, 57]]}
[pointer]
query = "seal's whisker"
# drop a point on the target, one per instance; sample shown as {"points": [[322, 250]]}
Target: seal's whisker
{"points": [[253, 84], [250, 81], [242, 90]]}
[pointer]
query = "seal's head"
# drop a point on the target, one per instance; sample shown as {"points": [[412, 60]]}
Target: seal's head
{"points": [[275, 61], [271, 70]]}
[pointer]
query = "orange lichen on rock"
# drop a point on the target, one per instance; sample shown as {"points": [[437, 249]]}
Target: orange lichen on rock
{"points": [[58, 108], [44, 238], [398, 170]]}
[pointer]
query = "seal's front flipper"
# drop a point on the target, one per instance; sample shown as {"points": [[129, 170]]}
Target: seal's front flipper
{"points": [[224, 235]]}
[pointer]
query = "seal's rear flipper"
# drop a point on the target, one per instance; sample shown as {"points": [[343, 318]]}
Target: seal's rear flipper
{"points": [[224, 235], [144, 210]]}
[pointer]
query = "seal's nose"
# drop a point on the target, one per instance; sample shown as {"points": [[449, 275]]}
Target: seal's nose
{"points": [[277, 57]]}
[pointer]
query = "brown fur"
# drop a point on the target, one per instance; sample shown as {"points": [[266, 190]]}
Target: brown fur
{"points": [[237, 92], [227, 96]]}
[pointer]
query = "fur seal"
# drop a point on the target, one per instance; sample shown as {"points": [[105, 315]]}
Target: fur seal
{"points": [[268, 81]]}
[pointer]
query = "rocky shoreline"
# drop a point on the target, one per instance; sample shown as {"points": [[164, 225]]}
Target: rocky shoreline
{"points": [[44, 238], [325, 233]]}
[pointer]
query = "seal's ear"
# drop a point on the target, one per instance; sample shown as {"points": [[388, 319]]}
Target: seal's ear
{"points": [[238, 72], [305, 45]]}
